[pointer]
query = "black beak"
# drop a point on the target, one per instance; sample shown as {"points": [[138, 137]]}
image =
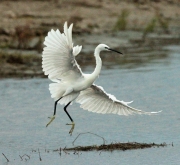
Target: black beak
{"points": [[114, 50]]}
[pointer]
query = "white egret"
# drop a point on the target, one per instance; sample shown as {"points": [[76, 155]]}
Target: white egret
{"points": [[70, 83]]}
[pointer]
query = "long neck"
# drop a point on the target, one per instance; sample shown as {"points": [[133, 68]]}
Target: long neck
{"points": [[98, 64]]}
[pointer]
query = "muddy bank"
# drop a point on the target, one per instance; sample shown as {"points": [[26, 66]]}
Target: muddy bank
{"points": [[24, 24], [88, 16], [18, 65], [132, 27], [137, 51]]}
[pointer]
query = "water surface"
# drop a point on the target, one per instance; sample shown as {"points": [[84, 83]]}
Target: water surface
{"points": [[153, 86]]}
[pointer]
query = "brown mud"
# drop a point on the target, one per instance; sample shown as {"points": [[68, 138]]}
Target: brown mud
{"points": [[129, 26]]}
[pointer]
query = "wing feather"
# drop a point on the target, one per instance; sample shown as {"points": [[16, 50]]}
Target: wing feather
{"points": [[58, 61], [94, 107], [101, 107], [76, 50], [95, 99], [115, 109], [106, 105], [110, 110]]}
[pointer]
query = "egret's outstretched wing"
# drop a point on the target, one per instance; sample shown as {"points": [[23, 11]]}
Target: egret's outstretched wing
{"points": [[59, 55], [95, 99], [76, 50]]}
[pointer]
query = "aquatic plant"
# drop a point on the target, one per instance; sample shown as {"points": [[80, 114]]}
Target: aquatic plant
{"points": [[121, 23], [150, 27], [157, 21]]}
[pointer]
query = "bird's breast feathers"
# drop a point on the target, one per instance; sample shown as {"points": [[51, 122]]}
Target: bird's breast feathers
{"points": [[82, 83]]}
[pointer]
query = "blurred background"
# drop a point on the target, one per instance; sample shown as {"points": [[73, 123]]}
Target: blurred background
{"points": [[131, 26]]}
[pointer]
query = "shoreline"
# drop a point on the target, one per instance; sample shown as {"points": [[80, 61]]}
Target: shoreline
{"points": [[27, 63]]}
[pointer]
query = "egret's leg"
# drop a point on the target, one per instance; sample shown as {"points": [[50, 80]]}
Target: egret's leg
{"points": [[73, 124], [53, 117]]}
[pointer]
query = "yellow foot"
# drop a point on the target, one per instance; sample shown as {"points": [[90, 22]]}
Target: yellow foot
{"points": [[72, 128], [52, 118]]}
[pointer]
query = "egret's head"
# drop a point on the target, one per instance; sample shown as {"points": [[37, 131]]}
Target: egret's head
{"points": [[102, 47]]}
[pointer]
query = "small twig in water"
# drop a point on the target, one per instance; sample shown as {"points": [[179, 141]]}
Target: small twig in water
{"points": [[39, 155], [21, 157], [89, 133], [25, 155], [60, 151], [5, 157], [65, 151]]}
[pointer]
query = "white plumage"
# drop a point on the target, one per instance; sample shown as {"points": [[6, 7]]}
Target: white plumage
{"points": [[69, 83]]}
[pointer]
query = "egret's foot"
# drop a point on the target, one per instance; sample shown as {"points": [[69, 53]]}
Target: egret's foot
{"points": [[51, 119], [72, 128]]}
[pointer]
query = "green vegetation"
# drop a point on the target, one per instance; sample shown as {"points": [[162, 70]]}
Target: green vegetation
{"points": [[121, 23], [150, 26], [157, 20]]}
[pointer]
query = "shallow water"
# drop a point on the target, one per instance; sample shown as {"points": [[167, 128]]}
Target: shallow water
{"points": [[26, 104]]}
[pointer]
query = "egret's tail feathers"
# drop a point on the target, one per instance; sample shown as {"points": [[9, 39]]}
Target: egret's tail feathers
{"points": [[76, 50], [56, 90], [66, 99]]}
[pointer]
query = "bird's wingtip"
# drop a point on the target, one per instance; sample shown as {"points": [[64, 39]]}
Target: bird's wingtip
{"points": [[156, 112], [65, 27], [71, 26], [66, 24]]}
